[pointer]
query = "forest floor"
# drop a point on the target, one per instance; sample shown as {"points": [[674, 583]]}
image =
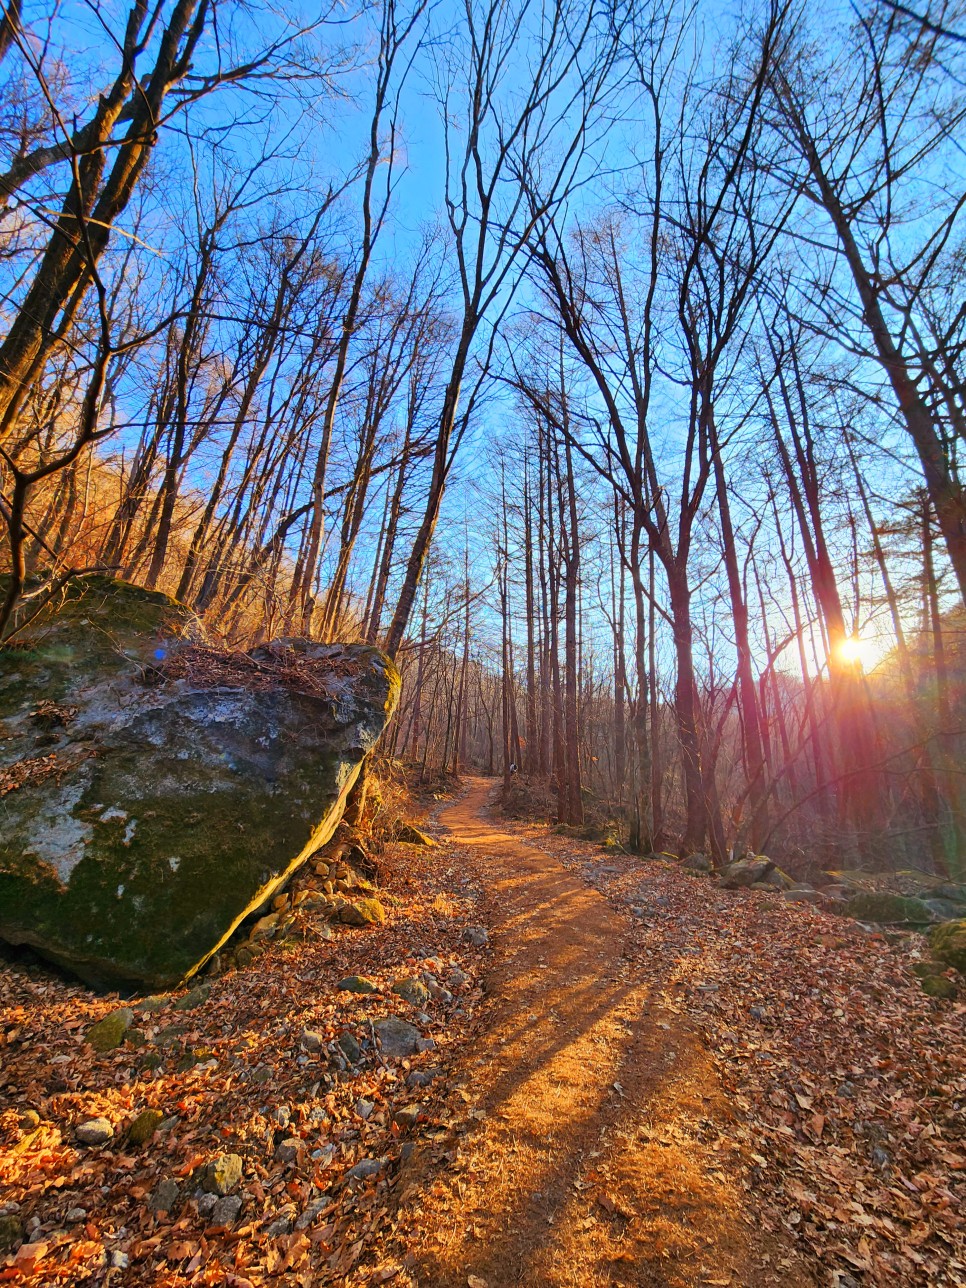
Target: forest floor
{"points": [[680, 1085], [604, 1151], [628, 1077]]}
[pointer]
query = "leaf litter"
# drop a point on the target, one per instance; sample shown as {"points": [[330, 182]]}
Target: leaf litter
{"points": [[848, 1082], [256, 1070]]}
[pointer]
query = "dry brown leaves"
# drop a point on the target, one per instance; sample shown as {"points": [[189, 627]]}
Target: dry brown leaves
{"points": [[274, 667], [234, 1079], [849, 1083], [37, 769]]}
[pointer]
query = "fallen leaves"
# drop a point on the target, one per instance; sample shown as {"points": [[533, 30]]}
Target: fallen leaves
{"points": [[230, 1076], [850, 1083]]}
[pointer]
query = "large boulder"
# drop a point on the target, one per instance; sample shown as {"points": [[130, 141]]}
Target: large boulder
{"points": [[156, 791]]}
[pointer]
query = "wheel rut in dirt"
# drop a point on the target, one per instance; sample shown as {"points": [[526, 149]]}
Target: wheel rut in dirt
{"points": [[599, 1152]]}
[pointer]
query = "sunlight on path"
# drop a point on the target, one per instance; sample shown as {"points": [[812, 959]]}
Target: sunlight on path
{"points": [[600, 1154]]}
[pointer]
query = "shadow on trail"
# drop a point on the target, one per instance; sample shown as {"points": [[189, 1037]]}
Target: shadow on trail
{"points": [[593, 1162]]}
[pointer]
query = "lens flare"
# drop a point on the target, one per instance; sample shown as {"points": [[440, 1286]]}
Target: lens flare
{"points": [[855, 651]]}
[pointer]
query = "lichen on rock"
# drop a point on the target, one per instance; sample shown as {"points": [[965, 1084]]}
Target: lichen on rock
{"points": [[179, 787]]}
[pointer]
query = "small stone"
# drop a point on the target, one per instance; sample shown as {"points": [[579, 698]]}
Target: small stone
{"points": [[364, 1109], [365, 1168], [422, 1077], [357, 984], [311, 1041], [477, 936], [457, 977], [288, 1150], [75, 1214], [108, 1033], [29, 1120], [206, 1204], [350, 1048], [195, 997], [311, 901], [227, 1210], [881, 1157], [119, 1260], [407, 1116], [222, 1174], [940, 987], [11, 1232], [171, 1035], [281, 1225], [165, 1195], [425, 1044], [757, 1013], [314, 1209], [281, 1115], [264, 928], [144, 1126], [96, 1131], [743, 873], [411, 990], [846, 1090], [153, 1003], [410, 835], [364, 912], [397, 1038]]}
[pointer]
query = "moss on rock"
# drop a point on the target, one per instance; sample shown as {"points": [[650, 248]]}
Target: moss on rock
{"points": [[363, 912], [889, 909], [144, 1126], [175, 809], [948, 944], [939, 986], [109, 1032]]}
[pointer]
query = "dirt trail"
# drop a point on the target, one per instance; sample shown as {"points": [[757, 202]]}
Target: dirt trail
{"points": [[600, 1152]]}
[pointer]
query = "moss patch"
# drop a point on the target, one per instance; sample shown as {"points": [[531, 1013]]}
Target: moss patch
{"points": [[888, 909], [948, 944]]}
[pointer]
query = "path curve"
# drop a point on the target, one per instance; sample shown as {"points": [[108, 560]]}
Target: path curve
{"points": [[595, 1150]]}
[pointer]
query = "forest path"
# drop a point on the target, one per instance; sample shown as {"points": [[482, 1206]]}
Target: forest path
{"points": [[597, 1150]]}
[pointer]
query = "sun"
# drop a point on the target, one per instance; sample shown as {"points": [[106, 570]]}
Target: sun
{"points": [[855, 651]]}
